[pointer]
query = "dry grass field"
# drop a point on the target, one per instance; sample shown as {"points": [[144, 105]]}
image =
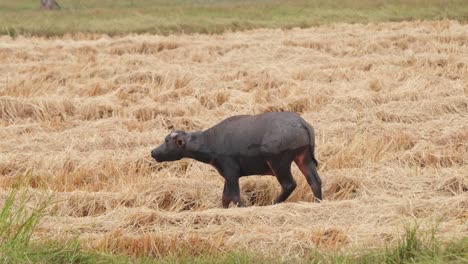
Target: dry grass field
{"points": [[388, 102]]}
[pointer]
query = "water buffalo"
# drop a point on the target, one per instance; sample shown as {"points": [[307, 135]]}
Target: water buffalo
{"points": [[264, 144]]}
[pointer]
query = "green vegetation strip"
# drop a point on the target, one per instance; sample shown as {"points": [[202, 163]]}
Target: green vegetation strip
{"points": [[18, 224], [117, 17]]}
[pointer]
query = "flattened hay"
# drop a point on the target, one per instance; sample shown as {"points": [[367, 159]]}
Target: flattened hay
{"points": [[388, 102]]}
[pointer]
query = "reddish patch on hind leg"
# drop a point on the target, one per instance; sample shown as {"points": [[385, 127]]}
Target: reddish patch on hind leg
{"points": [[299, 160], [306, 165]]}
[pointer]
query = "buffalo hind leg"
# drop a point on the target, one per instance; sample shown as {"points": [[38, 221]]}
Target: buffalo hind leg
{"points": [[306, 164], [282, 171]]}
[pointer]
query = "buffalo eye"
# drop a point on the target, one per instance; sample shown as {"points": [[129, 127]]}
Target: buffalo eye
{"points": [[179, 143]]}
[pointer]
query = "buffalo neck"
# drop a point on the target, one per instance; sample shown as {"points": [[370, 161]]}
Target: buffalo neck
{"points": [[198, 147]]}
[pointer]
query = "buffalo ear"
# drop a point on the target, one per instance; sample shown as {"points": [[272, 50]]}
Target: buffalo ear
{"points": [[180, 142]]}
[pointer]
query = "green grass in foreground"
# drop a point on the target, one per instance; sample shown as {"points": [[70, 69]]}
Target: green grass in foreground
{"points": [[17, 225], [209, 16]]}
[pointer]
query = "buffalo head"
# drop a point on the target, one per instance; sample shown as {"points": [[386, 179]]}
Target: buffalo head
{"points": [[172, 149]]}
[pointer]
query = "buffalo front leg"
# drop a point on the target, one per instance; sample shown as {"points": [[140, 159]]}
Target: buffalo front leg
{"points": [[231, 193], [230, 171]]}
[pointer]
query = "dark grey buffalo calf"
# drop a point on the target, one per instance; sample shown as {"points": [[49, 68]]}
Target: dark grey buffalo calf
{"points": [[264, 144]]}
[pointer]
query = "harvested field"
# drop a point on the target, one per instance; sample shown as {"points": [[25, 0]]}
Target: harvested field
{"points": [[388, 102]]}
